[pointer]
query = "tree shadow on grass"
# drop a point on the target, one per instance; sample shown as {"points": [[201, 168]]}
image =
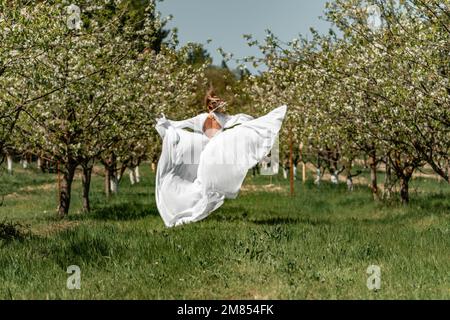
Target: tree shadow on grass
{"points": [[289, 220], [121, 212], [386, 220], [439, 201], [436, 204], [236, 214]]}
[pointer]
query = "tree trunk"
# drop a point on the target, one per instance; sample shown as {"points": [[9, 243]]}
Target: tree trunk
{"points": [[114, 183], [448, 170], [334, 177], [405, 178], [303, 172], [318, 176], [349, 179], [291, 163], [39, 163], [318, 173], [132, 174], [302, 162], [24, 163], [9, 160], [86, 182], [388, 179], [137, 174], [107, 182], [349, 183], [373, 173], [404, 189], [153, 167], [112, 172], [334, 157], [65, 191]]}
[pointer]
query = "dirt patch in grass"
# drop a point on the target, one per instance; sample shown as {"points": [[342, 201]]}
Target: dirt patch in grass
{"points": [[262, 188], [47, 186], [19, 193]]}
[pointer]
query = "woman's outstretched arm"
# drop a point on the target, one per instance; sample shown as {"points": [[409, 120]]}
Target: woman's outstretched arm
{"points": [[236, 119], [163, 123], [183, 124]]}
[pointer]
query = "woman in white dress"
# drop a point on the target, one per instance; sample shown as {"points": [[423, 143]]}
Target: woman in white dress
{"points": [[200, 168]]}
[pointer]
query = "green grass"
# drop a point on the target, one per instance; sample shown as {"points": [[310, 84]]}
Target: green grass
{"points": [[263, 245]]}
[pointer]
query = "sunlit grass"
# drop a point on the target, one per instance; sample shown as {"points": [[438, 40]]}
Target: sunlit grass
{"points": [[263, 245]]}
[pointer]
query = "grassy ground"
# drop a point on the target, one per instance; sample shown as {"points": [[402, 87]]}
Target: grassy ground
{"points": [[265, 244]]}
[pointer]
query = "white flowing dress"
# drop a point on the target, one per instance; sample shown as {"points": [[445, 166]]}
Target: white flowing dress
{"points": [[196, 174]]}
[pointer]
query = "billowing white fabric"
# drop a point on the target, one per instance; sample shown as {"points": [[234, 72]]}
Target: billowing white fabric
{"points": [[195, 174]]}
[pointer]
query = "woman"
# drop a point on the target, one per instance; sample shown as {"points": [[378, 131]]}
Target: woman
{"points": [[201, 168]]}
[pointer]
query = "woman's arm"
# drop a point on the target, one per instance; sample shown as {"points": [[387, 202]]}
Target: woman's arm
{"points": [[179, 124], [163, 123], [183, 124], [231, 121]]}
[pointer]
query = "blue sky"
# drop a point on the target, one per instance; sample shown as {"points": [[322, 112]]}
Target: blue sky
{"points": [[225, 21]]}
